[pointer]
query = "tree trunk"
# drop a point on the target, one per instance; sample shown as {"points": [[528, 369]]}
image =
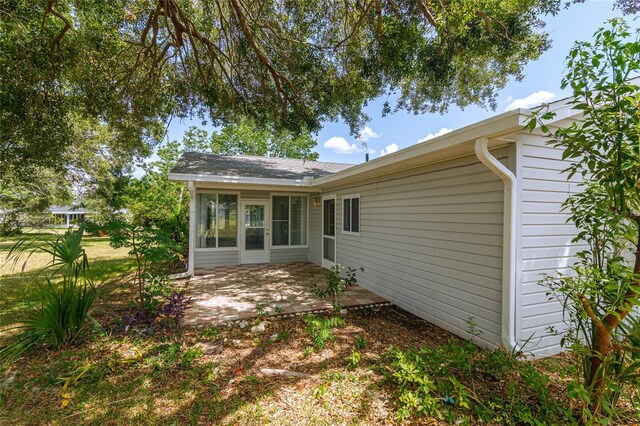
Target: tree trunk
{"points": [[603, 343], [602, 347]]}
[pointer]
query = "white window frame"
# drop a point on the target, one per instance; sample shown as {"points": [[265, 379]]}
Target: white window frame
{"points": [[195, 234], [288, 194], [350, 197]]}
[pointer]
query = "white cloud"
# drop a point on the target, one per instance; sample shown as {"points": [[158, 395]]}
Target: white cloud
{"points": [[389, 149], [367, 133], [534, 99], [440, 132], [339, 145]]}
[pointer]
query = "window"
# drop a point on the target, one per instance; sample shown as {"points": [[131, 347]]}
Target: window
{"points": [[351, 214], [216, 220], [280, 219], [289, 220]]}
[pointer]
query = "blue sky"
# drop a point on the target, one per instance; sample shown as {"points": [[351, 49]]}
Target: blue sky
{"points": [[399, 130]]}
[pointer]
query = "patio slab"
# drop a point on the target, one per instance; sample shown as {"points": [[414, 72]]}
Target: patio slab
{"points": [[231, 293]]}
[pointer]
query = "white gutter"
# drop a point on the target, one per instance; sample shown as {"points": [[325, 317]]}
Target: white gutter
{"points": [[509, 243], [192, 235]]}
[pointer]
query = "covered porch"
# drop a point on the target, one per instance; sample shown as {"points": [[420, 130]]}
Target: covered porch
{"points": [[230, 293]]}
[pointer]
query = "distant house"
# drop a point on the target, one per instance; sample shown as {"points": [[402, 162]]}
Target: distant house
{"points": [[461, 226], [66, 216]]}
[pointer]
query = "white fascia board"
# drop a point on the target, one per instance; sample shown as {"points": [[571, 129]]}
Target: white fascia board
{"points": [[206, 186], [561, 109], [501, 124], [242, 180]]}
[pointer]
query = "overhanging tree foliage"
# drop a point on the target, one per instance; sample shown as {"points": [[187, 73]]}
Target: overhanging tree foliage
{"points": [[292, 64], [602, 292], [243, 137], [94, 165]]}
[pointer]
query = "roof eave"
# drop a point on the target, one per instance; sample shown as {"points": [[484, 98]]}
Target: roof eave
{"points": [[243, 180], [447, 146]]}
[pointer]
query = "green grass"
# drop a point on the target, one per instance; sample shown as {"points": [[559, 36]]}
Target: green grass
{"points": [[18, 281]]}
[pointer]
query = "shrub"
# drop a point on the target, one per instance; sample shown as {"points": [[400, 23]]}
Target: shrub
{"points": [[154, 250], [353, 359], [320, 330], [444, 383], [156, 289], [10, 224], [336, 284], [162, 304], [601, 293], [60, 315]]}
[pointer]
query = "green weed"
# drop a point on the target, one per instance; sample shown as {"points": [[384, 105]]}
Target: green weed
{"points": [[353, 359], [442, 383], [320, 330]]}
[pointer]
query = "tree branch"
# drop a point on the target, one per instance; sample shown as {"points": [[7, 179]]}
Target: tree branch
{"points": [[612, 319], [625, 348], [58, 38], [487, 23], [592, 315], [427, 13], [275, 74]]}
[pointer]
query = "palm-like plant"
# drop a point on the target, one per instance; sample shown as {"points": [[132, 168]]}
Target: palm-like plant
{"points": [[65, 299]]}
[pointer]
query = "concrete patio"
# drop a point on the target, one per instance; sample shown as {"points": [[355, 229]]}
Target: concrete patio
{"points": [[237, 292]]}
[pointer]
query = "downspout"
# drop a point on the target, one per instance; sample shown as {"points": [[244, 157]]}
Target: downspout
{"points": [[192, 235], [509, 244]]}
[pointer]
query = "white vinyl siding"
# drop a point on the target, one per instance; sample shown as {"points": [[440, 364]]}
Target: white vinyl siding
{"points": [[431, 242], [212, 258], [289, 254], [546, 245]]}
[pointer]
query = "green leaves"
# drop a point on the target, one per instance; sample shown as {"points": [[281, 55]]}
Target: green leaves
{"points": [[243, 136], [320, 330], [442, 382], [65, 303], [336, 284], [602, 146], [132, 64]]}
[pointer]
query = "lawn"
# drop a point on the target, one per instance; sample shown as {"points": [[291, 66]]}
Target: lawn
{"points": [[368, 370], [19, 280]]}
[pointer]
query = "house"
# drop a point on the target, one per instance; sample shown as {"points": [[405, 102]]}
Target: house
{"points": [[66, 216], [461, 226]]}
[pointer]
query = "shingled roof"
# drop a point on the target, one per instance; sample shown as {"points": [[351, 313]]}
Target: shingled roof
{"points": [[195, 163]]}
